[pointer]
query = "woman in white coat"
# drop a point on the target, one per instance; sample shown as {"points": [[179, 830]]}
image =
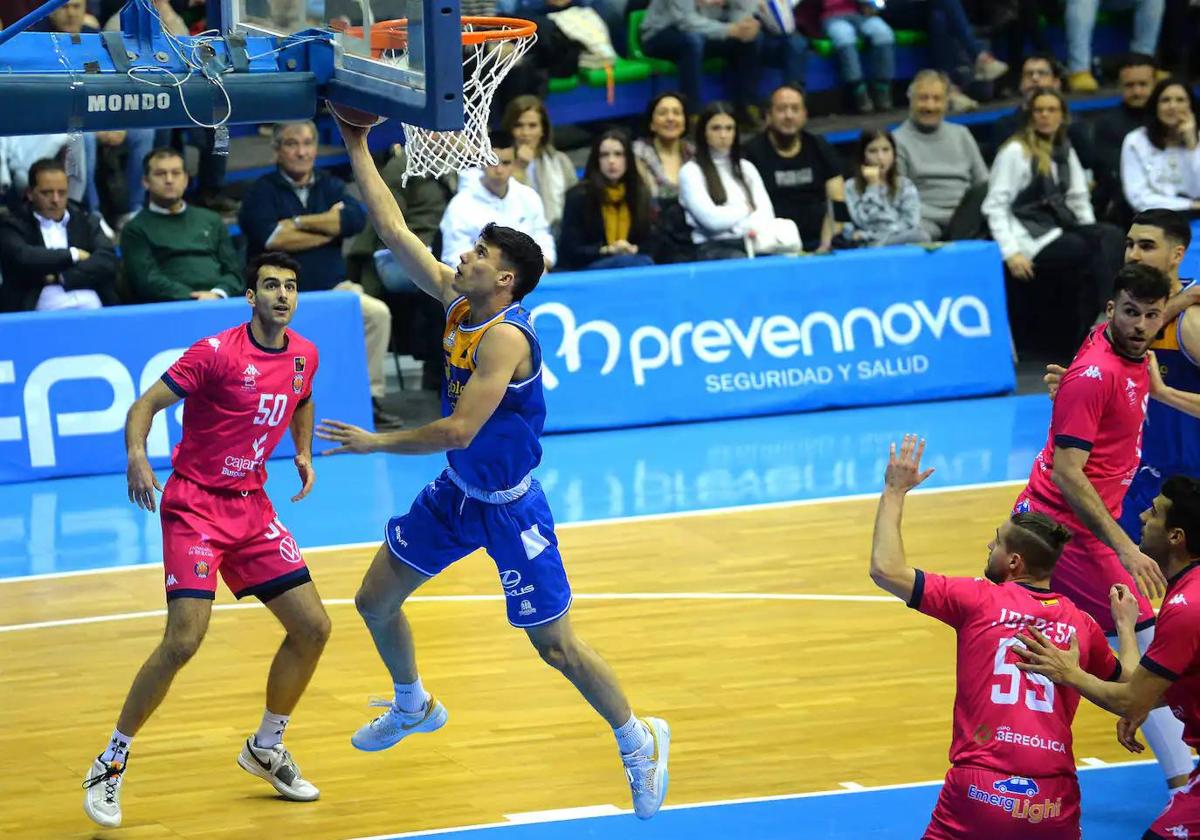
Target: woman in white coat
{"points": [[1040, 214], [1160, 164]]}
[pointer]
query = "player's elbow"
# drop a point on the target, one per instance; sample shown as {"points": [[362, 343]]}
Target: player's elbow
{"points": [[459, 435]]}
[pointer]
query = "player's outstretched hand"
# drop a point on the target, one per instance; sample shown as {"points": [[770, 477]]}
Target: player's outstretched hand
{"points": [[1127, 728], [350, 133], [308, 475], [904, 469], [1124, 606], [352, 438], [1149, 577], [142, 484], [1041, 656], [1054, 375]]}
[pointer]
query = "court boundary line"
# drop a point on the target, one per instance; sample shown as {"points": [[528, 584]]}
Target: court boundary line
{"points": [[106, 618], [751, 800], [586, 523]]}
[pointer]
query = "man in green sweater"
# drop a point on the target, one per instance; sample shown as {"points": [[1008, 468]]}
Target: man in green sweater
{"points": [[172, 251]]}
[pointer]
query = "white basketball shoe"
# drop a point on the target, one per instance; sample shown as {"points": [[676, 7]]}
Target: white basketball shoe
{"points": [[102, 792], [647, 769], [393, 726], [275, 764]]}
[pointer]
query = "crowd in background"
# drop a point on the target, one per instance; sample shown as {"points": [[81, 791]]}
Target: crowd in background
{"points": [[103, 218]]}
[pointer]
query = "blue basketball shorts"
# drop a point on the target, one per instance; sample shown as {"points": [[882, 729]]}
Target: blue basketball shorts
{"points": [[444, 525]]}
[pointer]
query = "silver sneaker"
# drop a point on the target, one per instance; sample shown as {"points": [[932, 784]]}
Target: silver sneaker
{"points": [[393, 726], [646, 770], [102, 797], [275, 764]]}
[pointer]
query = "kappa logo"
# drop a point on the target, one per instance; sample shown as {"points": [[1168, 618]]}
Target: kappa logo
{"points": [[1092, 372], [1179, 600], [250, 370], [1179, 831], [171, 581], [214, 343]]}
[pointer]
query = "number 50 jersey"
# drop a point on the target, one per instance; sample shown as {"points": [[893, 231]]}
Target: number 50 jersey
{"points": [[1005, 719], [239, 398]]}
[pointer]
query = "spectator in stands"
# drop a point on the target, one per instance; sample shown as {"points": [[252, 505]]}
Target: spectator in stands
{"points": [[940, 158], [17, 154], [688, 31], [666, 147], [1160, 163], [606, 223], [844, 21], [54, 255], [723, 195], [173, 251], [538, 163], [1040, 70], [1040, 215], [489, 194], [1080, 20], [802, 174], [884, 206], [305, 212], [1136, 81], [950, 36]]}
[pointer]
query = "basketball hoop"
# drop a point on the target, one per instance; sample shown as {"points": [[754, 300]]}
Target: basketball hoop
{"points": [[491, 47]]}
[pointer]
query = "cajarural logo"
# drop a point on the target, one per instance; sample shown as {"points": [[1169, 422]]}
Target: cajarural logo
{"points": [[650, 347]]}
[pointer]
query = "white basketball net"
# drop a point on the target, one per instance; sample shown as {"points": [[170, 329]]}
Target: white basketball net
{"points": [[433, 153]]}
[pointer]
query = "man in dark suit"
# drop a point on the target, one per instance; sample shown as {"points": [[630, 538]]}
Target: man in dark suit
{"points": [[54, 256]]}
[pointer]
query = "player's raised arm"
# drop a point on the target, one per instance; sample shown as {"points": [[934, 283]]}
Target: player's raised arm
{"points": [[500, 353], [889, 570], [410, 252], [141, 478]]}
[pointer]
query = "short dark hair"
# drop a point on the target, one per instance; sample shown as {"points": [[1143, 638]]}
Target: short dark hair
{"points": [[1184, 513], [1056, 66], [522, 254], [501, 138], [44, 165], [1142, 283], [1136, 59], [794, 87], [1172, 223], [1038, 539], [275, 259], [156, 153]]}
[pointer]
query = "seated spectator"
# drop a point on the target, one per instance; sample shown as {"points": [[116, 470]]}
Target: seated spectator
{"points": [[950, 36], [173, 251], [538, 163], [688, 31], [884, 206], [666, 148], [489, 194], [940, 158], [1080, 20], [606, 223], [802, 174], [305, 212], [1039, 213], [1040, 70], [18, 154], [844, 21], [1136, 81], [54, 254], [724, 197], [1160, 163]]}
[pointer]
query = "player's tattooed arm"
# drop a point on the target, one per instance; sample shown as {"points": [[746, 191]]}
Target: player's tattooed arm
{"points": [[889, 569], [1069, 477], [141, 479]]}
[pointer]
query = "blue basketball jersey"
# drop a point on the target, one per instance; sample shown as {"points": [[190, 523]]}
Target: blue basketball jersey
{"points": [[507, 448], [1171, 442]]}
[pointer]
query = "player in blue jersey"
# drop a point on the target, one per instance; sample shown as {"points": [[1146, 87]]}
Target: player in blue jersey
{"points": [[493, 412], [1171, 435]]}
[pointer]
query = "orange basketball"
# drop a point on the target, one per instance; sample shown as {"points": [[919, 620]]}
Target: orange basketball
{"points": [[355, 116]]}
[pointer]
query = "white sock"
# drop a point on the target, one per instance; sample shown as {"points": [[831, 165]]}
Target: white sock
{"points": [[118, 748], [631, 735], [270, 731], [410, 697]]}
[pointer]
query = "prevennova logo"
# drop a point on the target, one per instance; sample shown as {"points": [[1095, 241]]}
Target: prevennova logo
{"points": [[102, 103], [713, 342]]}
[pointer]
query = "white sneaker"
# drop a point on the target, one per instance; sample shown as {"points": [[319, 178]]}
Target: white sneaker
{"points": [[276, 766], [393, 726], [647, 770], [102, 799]]}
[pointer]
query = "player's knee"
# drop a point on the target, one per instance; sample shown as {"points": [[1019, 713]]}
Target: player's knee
{"points": [[374, 608], [315, 633], [178, 648], [558, 654]]}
